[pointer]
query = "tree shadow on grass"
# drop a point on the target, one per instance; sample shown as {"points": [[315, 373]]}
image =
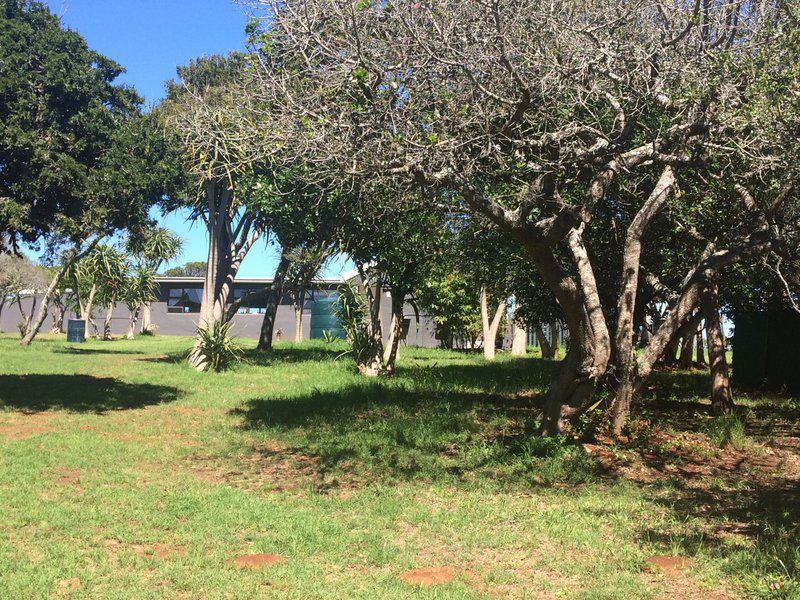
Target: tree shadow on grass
{"points": [[443, 423], [79, 350], [79, 393], [765, 513]]}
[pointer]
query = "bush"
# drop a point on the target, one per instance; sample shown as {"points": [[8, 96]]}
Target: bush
{"points": [[352, 310], [217, 348]]}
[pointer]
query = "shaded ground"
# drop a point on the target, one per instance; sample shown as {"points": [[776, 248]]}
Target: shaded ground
{"points": [[125, 474]]}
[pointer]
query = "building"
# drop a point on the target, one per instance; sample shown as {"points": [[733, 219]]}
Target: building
{"points": [[177, 309]]}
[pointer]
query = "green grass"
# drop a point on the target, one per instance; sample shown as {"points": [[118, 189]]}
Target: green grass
{"points": [[125, 469]]}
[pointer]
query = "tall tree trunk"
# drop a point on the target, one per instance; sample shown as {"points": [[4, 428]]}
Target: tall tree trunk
{"points": [[392, 352], [721, 395], [544, 343], [107, 321], [489, 328], [299, 305], [626, 305], [69, 259], [519, 343], [701, 351], [273, 300], [2, 305]]}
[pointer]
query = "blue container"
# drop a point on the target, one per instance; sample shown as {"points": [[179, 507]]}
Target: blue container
{"points": [[76, 330], [324, 318]]}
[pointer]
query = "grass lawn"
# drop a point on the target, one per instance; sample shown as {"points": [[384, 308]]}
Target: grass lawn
{"points": [[125, 474]]}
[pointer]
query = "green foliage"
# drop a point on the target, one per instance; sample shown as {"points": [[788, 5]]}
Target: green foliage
{"points": [[728, 430], [190, 269], [78, 158], [217, 348], [328, 337], [352, 309], [451, 299]]}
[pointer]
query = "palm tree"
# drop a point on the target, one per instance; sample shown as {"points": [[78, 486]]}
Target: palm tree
{"points": [[151, 251], [140, 289]]}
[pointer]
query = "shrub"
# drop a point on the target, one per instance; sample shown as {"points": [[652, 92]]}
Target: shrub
{"points": [[352, 310], [217, 348], [727, 430]]}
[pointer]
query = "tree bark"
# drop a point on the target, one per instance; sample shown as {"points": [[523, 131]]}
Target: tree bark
{"points": [[58, 315], [70, 257], [686, 359], [626, 305], [132, 317], [372, 365], [490, 327], [519, 344], [544, 344], [392, 352], [86, 313], [107, 321], [273, 300], [701, 352], [298, 315], [554, 344], [721, 394], [145, 311]]}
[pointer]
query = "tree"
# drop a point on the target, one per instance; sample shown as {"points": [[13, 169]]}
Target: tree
{"points": [[98, 277], [561, 104], [210, 114], [21, 279], [70, 143], [150, 251], [189, 269], [139, 289], [305, 264]]}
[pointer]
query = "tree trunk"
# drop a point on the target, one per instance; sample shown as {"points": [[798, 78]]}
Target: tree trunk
{"points": [[686, 359], [554, 344], [372, 365], [273, 300], [58, 315], [544, 344], [69, 259], [298, 315], [87, 311], [146, 317], [132, 317], [519, 344], [392, 352], [701, 352], [721, 395], [490, 328], [2, 305], [107, 322]]}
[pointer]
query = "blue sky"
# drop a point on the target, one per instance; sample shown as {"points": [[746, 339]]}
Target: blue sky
{"points": [[150, 38]]}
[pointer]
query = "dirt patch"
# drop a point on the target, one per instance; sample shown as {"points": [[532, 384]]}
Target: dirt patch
{"points": [[668, 564], [67, 477], [255, 561], [430, 576], [25, 425], [159, 550], [67, 586]]}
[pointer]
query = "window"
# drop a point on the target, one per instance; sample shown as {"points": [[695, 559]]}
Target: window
{"points": [[254, 306], [184, 300]]}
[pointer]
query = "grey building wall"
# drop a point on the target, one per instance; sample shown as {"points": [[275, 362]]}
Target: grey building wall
{"points": [[246, 326]]}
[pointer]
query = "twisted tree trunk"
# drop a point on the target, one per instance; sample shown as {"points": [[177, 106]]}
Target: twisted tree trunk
{"points": [[544, 343], [107, 321], [701, 351]]}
